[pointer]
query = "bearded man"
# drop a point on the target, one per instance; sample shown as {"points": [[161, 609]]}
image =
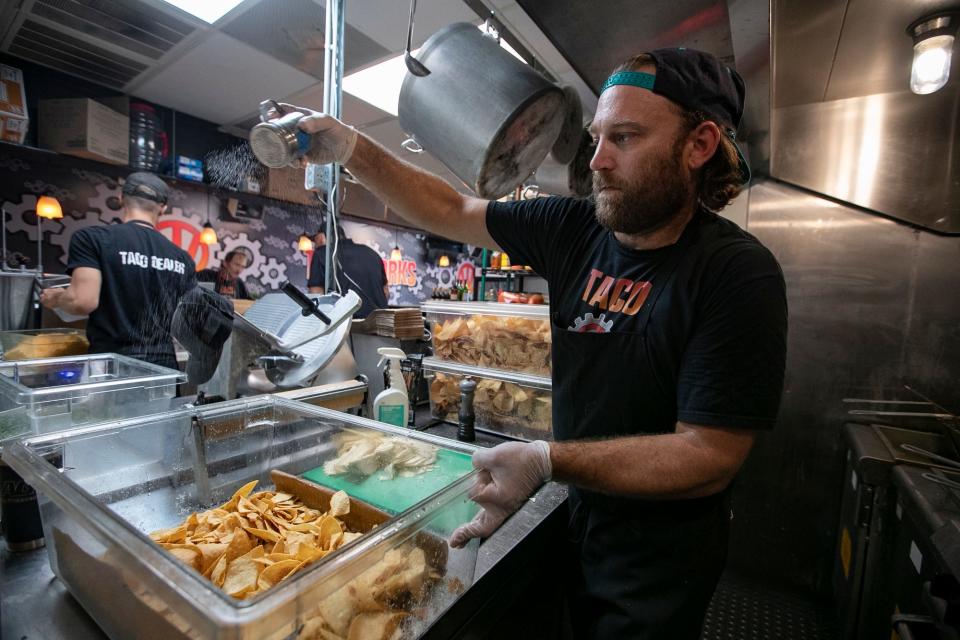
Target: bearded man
{"points": [[669, 338]]}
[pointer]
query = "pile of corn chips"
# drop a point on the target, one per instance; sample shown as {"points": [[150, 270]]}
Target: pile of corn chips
{"points": [[499, 405], [363, 453], [374, 604], [256, 540], [516, 344]]}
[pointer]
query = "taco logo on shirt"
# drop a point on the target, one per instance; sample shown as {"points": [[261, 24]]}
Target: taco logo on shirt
{"points": [[616, 295], [587, 323]]}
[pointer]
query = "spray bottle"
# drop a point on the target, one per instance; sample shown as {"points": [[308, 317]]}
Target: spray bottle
{"points": [[391, 405]]}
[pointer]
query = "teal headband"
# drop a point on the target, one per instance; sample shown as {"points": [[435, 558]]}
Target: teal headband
{"points": [[633, 78]]}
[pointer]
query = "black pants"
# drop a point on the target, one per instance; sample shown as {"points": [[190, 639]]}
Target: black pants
{"points": [[644, 576]]}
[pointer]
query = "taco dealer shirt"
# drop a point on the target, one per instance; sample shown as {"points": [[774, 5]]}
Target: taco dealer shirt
{"points": [[143, 276]]}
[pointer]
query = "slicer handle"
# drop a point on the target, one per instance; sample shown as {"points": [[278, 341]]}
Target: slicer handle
{"points": [[308, 306]]}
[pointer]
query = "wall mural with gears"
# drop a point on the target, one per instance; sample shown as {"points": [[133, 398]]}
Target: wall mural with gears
{"points": [[267, 230]]}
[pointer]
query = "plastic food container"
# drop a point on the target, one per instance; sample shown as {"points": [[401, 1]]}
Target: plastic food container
{"points": [[50, 394], [510, 404], [29, 344], [513, 337], [124, 479]]}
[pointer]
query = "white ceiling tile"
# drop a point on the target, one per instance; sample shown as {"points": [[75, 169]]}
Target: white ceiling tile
{"points": [[221, 79], [385, 21]]}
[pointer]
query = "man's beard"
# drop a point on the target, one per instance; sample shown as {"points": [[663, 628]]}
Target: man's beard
{"points": [[649, 201]]}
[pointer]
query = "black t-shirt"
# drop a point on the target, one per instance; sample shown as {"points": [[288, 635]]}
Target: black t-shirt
{"points": [[693, 332], [225, 286], [143, 277], [359, 269]]}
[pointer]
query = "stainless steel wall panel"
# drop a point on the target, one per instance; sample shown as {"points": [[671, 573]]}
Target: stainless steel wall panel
{"points": [[872, 306], [895, 153]]}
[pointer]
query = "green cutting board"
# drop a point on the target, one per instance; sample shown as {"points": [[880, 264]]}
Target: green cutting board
{"points": [[399, 494]]}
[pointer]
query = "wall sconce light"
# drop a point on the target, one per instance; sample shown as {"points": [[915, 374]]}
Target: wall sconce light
{"points": [[444, 261], [933, 38], [305, 244]]}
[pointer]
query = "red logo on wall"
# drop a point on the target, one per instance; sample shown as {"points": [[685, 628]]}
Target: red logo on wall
{"points": [[187, 237], [465, 273], [401, 273]]}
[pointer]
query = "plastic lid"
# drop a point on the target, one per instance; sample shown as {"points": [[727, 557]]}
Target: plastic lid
{"points": [[534, 311], [455, 368]]}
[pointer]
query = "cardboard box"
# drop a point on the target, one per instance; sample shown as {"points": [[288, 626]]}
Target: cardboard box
{"points": [[85, 128], [14, 119]]}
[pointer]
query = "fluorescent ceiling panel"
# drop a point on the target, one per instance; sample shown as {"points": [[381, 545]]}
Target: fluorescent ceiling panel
{"points": [[380, 84], [207, 10]]}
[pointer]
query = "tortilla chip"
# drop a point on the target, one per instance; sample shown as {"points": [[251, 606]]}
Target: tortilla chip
{"points": [[276, 572], [339, 504], [375, 626]]}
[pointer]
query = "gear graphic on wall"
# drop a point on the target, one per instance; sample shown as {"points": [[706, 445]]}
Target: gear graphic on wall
{"points": [[183, 229], [43, 188], [241, 241], [276, 212], [91, 176], [273, 273], [276, 243], [297, 257], [13, 164], [591, 324], [15, 223], [106, 202]]}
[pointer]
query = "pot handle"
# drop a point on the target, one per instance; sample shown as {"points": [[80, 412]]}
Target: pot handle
{"points": [[411, 145]]}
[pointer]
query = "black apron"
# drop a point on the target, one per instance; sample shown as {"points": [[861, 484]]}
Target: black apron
{"points": [[641, 569]]}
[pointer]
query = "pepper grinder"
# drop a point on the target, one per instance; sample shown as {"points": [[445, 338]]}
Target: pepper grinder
{"points": [[465, 432]]}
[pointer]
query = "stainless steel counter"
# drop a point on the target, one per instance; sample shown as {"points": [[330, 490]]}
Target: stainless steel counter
{"points": [[36, 606]]}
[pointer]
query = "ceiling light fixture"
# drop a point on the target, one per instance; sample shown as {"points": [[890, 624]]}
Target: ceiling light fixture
{"points": [[933, 38], [444, 261], [207, 10]]}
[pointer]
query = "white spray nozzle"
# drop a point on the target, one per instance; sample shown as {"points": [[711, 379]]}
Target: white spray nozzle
{"points": [[390, 353]]}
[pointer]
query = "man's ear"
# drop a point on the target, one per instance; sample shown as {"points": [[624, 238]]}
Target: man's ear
{"points": [[703, 140]]}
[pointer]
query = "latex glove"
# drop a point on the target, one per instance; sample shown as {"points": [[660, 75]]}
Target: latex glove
{"points": [[509, 474], [333, 141], [50, 298]]}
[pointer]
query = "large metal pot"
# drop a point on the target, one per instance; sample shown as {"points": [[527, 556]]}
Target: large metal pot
{"points": [[484, 114], [16, 291], [573, 179]]}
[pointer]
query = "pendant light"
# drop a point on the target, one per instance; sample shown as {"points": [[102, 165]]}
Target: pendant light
{"points": [[47, 207], [444, 261], [396, 254], [209, 234]]}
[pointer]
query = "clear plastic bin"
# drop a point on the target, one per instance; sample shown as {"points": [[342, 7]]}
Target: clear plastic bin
{"points": [[50, 394], [122, 480], [513, 337], [30, 344], [510, 404]]}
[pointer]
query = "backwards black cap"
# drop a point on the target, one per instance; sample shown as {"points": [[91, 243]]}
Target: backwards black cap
{"points": [[698, 81], [148, 186]]}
